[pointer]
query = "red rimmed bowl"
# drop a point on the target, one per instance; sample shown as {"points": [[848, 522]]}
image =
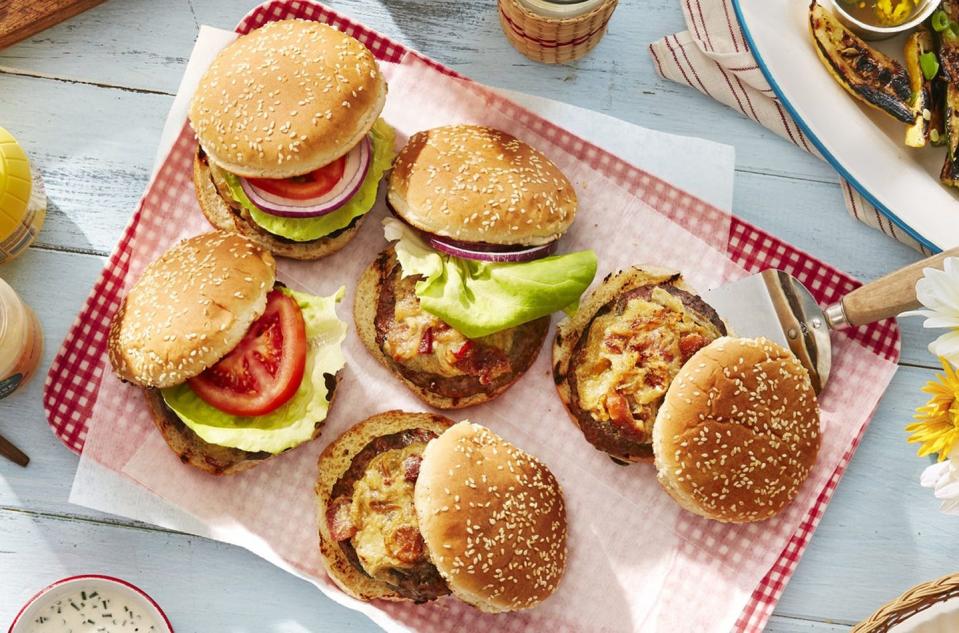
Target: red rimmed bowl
{"points": [[72, 589]]}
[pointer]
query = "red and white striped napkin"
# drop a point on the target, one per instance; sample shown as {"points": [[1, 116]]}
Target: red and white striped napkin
{"points": [[713, 56]]}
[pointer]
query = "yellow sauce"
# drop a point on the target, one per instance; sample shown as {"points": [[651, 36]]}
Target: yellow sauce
{"points": [[21, 341], [383, 508], [882, 12]]}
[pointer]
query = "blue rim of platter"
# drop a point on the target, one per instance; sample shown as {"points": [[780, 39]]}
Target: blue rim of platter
{"points": [[892, 217]]}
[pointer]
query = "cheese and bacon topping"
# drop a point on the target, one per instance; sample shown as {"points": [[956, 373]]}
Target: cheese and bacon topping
{"points": [[423, 343], [374, 519], [631, 354]]}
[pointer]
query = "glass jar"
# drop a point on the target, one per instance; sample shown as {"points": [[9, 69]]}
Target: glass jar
{"points": [[21, 341]]}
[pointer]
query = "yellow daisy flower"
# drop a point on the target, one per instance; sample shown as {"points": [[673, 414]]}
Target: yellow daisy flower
{"points": [[937, 422]]}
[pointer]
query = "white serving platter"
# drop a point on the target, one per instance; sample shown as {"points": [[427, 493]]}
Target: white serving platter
{"points": [[864, 145]]}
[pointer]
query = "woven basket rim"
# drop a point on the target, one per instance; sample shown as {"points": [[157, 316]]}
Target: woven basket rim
{"points": [[910, 603], [585, 17]]}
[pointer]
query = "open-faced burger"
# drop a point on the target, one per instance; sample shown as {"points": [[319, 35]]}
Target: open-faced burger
{"points": [[459, 306], [291, 149], [412, 507], [614, 360], [236, 368]]}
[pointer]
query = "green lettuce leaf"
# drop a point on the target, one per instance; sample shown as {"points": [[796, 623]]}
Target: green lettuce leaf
{"points": [[306, 229], [480, 298], [293, 423]]}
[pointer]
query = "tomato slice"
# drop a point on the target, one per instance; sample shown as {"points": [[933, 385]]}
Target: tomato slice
{"points": [[311, 185], [264, 371]]}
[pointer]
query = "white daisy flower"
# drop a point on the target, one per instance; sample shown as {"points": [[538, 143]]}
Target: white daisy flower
{"points": [[938, 291], [943, 478]]}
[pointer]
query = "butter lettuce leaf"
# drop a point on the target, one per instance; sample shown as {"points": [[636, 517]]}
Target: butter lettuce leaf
{"points": [[293, 423], [480, 298], [306, 229]]}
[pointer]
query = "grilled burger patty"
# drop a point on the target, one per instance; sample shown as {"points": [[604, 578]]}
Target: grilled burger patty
{"points": [[621, 421], [436, 357], [417, 579]]}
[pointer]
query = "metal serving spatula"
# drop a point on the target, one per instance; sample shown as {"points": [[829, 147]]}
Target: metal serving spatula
{"points": [[776, 305]]}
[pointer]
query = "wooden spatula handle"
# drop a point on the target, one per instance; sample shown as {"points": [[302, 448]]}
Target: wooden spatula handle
{"points": [[890, 295], [11, 452]]}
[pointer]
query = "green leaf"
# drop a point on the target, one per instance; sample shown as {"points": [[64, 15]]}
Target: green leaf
{"points": [[293, 423], [481, 298], [929, 65], [306, 229]]}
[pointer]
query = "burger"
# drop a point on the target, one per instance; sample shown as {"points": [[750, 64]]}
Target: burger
{"points": [[738, 432], [412, 507], [614, 360], [459, 305], [291, 149], [235, 367]]}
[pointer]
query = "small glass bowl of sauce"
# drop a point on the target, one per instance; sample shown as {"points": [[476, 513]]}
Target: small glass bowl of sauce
{"points": [[879, 19], [88, 604]]}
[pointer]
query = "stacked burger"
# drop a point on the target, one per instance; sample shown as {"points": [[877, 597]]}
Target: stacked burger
{"points": [[291, 149], [459, 306]]}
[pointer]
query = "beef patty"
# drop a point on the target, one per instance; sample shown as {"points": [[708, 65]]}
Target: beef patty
{"points": [[524, 343]]}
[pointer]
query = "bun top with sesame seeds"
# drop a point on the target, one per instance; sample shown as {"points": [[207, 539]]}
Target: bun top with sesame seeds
{"points": [[478, 184], [738, 432], [190, 308], [286, 99], [493, 519]]}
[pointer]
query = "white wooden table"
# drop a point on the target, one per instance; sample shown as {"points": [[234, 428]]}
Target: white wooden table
{"points": [[88, 99]]}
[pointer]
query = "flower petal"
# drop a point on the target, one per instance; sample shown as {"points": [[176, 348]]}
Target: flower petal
{"points": [[947, 346]]}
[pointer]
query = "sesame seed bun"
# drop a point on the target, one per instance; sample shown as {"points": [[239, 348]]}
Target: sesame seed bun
{"points": [[738, 432], [221, 215], [571, 350], [287, 98], [190, 308], [333, 465], [493, 518], [478, 184]]}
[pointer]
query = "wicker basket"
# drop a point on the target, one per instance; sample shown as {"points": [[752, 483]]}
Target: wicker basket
{"points": [[553, 40], [916, 600]]}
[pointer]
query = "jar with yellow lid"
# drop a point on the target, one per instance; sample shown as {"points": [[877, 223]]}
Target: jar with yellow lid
{"points": [[23, 204], [21, 341]]}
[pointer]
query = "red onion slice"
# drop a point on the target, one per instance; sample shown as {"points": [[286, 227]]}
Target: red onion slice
{"points": [[490, 252], [358, 162]]}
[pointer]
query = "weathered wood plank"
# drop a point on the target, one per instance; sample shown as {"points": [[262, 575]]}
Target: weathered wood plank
{"points": [[202, 585]]}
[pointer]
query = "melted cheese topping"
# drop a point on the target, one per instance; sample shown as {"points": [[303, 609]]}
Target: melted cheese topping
{"points": [[387, 533], [437, 353], [631, 358]]}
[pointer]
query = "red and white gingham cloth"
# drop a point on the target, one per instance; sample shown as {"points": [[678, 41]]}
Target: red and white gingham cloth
{"points": [[638, 218], [713, 56]]}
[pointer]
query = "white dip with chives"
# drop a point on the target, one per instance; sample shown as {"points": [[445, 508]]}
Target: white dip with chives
{"points": [[92, 609]]}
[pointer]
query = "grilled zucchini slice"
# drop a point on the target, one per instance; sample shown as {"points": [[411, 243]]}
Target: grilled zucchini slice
{"points": [[917, 45], [950, 169], [864, 72]]}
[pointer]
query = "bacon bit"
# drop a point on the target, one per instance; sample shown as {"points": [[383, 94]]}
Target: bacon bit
{"points": [[618, 408], [411, 468], [463, 351], [654, 379], [382, 507], [484, 361], [426, 343], [615, 343], [338, 519], [690, 344], [405, 544]]}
